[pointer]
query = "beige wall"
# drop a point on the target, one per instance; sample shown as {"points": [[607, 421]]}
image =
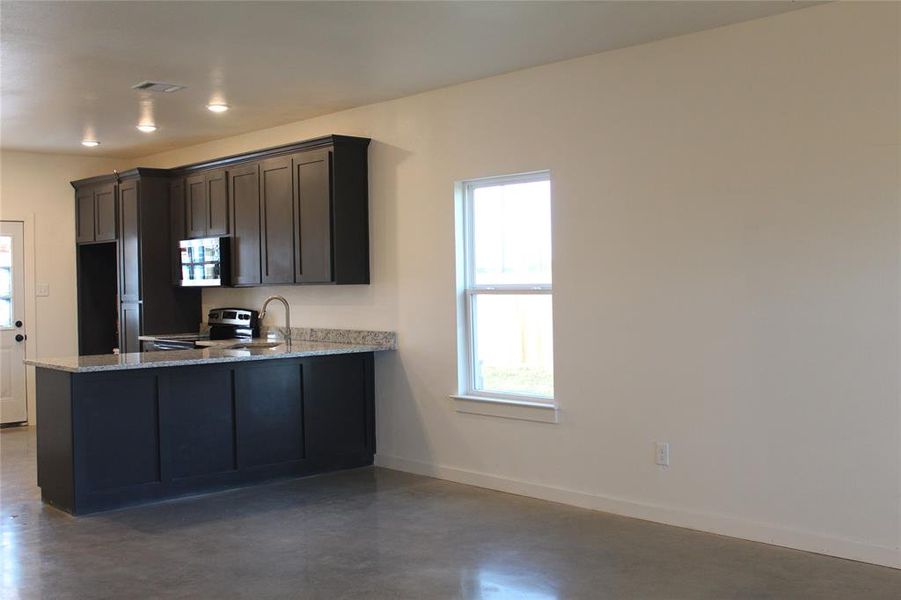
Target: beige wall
{"points": [[34, 188], [726, 272]]}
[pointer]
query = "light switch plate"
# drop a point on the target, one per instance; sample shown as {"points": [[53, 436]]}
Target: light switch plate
{"points": [[42, 290]]}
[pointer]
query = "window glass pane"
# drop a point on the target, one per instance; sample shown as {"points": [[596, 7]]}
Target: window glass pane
{"points": [[512, 233], [513, 344], [6, 261], [6, 313], [6, 251], [6, 289]]}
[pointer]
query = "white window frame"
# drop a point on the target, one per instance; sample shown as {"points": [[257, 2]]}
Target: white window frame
{"points": [[470, 399]]}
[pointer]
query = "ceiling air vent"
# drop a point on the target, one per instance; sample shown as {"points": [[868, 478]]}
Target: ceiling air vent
{"points": [[158, 86]]}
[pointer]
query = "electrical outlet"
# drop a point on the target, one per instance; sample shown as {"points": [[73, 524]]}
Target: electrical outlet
{"points": [[661, 454]]}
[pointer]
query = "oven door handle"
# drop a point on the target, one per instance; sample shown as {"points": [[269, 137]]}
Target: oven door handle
{"points": [[171, 346]]}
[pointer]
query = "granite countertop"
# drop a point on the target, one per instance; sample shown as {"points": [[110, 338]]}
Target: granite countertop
{"points": [[304, 342], [180, 358]]}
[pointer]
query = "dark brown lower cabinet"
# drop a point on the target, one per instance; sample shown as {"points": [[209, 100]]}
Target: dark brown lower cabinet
{"points": [[109, 439]]}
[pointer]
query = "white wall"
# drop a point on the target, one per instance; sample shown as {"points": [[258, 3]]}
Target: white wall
{"points": [[726, 275], [35, 188]]}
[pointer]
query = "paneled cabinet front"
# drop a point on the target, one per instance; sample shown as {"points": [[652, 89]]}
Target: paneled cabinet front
{"points": [[196, 207], [217, 203], [176, 225], [244, 189], [84, 215], [109, 439], [105, 213], [95, 213], [313, 217], [278, 220], [129, 327], [129, 267], [129, 244], [269, 405], [206, 199]]}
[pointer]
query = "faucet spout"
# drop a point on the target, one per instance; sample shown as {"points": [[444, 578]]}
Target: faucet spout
{"points": [[262, 315]]}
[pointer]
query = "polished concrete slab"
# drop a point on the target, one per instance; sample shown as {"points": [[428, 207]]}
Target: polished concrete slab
{"points": [[376, 533]]}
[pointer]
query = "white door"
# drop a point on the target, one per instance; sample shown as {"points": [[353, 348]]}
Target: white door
{"points": [[12, 323]]}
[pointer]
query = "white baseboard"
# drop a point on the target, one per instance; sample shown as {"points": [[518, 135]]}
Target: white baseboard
{"points": [[711, 523]]}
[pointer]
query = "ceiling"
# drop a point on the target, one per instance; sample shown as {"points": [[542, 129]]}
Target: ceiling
{"points": [[66, 68]]}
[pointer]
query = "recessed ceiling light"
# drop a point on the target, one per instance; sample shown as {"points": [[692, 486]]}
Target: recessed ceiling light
{"points": [[90, 143], [217, 107], [147, 127]]}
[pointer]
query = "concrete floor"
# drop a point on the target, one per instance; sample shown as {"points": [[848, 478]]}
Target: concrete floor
{"points": [[376, 533]]}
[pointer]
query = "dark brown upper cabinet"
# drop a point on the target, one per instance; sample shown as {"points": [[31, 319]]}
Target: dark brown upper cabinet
{"points": [[278, 240], [95, 213], [217, 203], [348, 209], [297, 214], [196, 207], [244, 190], [207, 209], [313, 216], [105, 213], [84, 215]]}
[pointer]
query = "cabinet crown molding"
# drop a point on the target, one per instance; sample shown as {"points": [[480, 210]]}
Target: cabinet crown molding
{"points": [[225, 161]]}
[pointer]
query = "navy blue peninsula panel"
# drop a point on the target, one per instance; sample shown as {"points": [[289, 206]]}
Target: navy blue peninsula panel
{"points": [[111, 438]]}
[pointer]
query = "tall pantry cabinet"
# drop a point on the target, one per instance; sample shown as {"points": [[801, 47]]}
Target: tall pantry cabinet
{"points": [[124, 261]]}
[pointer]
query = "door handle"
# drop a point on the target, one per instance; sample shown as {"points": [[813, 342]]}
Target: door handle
{"points": [[19, 337], [18, 323]]}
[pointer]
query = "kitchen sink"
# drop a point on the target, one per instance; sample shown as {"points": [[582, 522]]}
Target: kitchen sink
{"points": [[248, 345]]}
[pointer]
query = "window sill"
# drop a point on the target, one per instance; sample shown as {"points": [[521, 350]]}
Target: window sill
{"points": [[523, 410]]}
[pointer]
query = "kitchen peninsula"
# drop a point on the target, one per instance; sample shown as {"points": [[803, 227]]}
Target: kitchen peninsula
{"points": [[121, 429]]}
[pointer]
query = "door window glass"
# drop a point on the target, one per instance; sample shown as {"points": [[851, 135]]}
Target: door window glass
{"points": [[6, 281]]}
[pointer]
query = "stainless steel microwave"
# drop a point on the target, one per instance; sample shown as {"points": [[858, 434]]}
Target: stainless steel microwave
{"points": [[205, 262]]}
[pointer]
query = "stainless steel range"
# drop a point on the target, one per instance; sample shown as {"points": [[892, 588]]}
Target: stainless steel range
{"points": [[229, 323], [224, 324]]}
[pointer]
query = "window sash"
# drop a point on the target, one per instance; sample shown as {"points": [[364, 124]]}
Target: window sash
{"points": [[469, 238], [471, 289], [472, 349]]}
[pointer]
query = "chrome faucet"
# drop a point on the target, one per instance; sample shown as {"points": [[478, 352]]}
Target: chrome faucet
{"points": [[281, 299]]}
